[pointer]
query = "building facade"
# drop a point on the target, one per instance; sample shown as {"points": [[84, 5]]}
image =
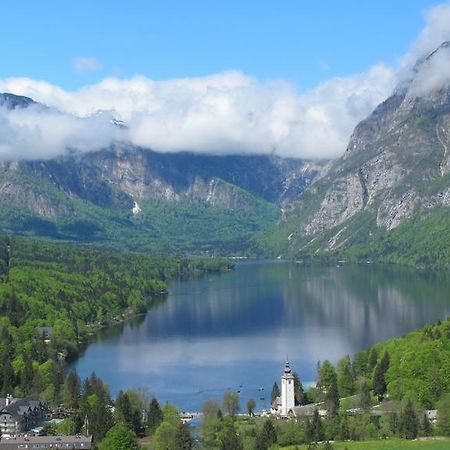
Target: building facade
{"points": [[47, 442], [287, 391], [18, 415]]}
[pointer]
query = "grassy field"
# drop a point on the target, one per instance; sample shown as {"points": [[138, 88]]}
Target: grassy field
{"points": [[392, 444]]}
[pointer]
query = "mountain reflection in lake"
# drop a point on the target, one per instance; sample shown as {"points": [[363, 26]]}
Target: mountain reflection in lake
{"points": [[235, 329]]}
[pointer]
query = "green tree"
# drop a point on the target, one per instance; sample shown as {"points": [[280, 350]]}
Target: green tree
{"points": [[210, 422], [316, 427], [345, 377], [372, 359], [72, 390], [154, 416], [230, 403], [364, 395], [275, 392], [408, 421], [299, 393], [126, 414], [328, 388], [266, 436], [379, 376], [360, 364], [183, 438], [119, 437], [425, 426], [251, 405], [443, 421], [99, 417], [165, 437], [227, 437]]}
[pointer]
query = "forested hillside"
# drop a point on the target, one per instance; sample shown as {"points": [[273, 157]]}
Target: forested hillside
{"points": [[73, 290]]}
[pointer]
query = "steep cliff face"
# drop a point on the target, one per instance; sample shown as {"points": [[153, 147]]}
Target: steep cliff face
{"points": [[396, 167]]}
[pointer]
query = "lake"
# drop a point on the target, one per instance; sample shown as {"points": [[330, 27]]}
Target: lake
{"points": [[233, 331]]}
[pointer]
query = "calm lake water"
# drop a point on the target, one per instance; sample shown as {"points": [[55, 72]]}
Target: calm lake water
{"points": [[234, 330]]}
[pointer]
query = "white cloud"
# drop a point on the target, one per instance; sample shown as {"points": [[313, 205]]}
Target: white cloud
{"points": [[433, 73], [87, 64], [36, 132], [224, 113]]}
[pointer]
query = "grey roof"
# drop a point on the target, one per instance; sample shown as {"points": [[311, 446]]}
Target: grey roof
{"points": [[69, 442], [276, 403], [21, 406], [305, 410]]}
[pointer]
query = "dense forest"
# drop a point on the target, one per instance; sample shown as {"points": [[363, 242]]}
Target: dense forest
{"points": [[52, 296]]}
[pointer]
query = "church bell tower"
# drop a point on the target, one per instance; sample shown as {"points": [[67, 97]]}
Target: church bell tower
{"points": [[287, 390]]}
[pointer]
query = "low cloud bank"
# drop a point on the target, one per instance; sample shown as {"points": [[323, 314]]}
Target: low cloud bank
{"points": [[220, 114]]}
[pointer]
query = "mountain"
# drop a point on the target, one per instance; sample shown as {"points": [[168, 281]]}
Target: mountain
{"points": [[388, 196], [139, 199]]}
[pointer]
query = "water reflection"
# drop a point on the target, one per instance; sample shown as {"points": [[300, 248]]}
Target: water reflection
{"points": [[234, 329]]}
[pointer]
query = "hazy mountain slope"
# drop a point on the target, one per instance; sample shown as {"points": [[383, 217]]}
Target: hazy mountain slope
{"points": [[396, 170], [133, 197]]}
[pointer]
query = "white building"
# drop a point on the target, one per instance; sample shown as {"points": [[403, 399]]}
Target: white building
{"points": [[284, 405]]}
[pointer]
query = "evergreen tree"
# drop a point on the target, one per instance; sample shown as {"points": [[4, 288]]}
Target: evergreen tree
{"points": [[154, 416], [360, 364], [379, 376], [309, 431], [317, 428], [9, 379], [27, 377], [72, 390], [372, 359], [299, 393], [266, 436], [393, 423], [227, 437], [364, 395], [408, 421], [275, 391], [328, 388], [123, 411], [99, 417], [425, 426], [183, 438], [345, 377]]}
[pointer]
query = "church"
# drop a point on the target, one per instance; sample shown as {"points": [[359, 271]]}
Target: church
{"points": [[285, 403]]}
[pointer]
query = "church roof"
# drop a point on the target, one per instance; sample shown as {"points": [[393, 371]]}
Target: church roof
{"points": [[276, 403]]}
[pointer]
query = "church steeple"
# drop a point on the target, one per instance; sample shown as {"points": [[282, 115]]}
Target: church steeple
{"points": [[287, 390], [287, 368]]}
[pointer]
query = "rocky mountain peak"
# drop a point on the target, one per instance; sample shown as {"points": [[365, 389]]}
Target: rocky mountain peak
{"points": [[12, 101]]}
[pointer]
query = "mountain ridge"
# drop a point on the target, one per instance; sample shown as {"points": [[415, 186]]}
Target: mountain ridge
{"points": [[395, 170], [125, 193]]}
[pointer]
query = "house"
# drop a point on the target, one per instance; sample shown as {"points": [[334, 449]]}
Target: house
{"points": [[432, 415], [19, 415], [46, 442], [45, 333]]}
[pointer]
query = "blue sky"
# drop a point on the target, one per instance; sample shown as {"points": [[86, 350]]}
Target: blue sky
{"points": [[304, 42]]}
